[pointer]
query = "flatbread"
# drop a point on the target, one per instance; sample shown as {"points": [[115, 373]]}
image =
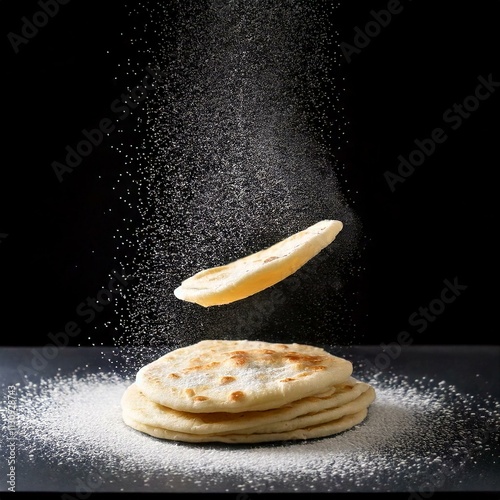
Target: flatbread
{"points": [[140, 409], [322, 430], [316, 418], [258, 271], [235, 376]]}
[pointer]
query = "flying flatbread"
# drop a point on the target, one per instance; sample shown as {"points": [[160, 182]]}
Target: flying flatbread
{"points": [[256, 272]]}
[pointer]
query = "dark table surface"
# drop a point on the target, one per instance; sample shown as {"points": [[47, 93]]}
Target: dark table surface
{"points": [[472, 369]]}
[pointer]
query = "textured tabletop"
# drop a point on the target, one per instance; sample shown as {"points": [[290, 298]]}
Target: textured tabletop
{"points": [[433, 427]]}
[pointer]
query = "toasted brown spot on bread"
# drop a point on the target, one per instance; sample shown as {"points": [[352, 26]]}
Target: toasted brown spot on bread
{"points": [[190, 392], [239, 359], [288, 379], [268, 351], [236, 395], [303, 358], [174, 375], [226, 380], [270, 259], [200, 398], [317, 368], [199, 368]]}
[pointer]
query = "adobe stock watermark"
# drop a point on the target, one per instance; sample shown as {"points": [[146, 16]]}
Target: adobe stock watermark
{"points": [[453, 117], [420, 321], [363, 37], [88, 310], [9, 429], [31, 27], [121, 108]]}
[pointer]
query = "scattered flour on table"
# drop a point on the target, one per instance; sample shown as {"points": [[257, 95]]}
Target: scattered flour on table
{"points": [[419, 433]]}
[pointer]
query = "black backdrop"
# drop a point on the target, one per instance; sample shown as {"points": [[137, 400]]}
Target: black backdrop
{"points": [[57, 247]]}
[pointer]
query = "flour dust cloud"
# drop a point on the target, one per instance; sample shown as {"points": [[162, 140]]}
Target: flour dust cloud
{"points": [[239, 151]]}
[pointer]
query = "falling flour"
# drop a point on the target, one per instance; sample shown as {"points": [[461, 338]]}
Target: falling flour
{"points": [[417, 437], [238, 150]]}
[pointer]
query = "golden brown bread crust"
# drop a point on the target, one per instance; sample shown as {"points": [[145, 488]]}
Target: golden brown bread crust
{"points": [[242, 375]]}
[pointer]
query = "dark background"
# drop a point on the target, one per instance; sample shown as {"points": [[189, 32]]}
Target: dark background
{"points": [[56, 239]]}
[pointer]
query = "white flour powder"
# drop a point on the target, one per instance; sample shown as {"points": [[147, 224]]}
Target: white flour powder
{"points": [[238, 150], [418, 436]]}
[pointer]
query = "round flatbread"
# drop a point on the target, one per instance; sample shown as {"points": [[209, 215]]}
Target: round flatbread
{"points": [[315, 418], [322, 430], [258, 271], [239, 375], [140, 409]]}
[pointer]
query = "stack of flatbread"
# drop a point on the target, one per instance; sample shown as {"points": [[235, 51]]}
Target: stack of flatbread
{"points": [[241, 391]]}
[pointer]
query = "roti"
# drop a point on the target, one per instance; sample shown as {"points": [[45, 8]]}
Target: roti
{"points": [[316, 418], [258, 271], [236, 376], [322, 430], [340, 399]]}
